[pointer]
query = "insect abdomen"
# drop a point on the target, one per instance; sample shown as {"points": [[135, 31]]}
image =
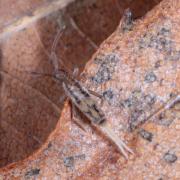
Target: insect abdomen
{"points": [[84, 102]]}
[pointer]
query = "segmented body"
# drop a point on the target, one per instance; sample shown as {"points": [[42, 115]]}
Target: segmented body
{"points": [[82, 99]]}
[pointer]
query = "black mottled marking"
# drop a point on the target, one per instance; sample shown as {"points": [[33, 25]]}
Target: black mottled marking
{"points": [[81, 89], [33, 172], [170, 157], [84, 93], [95, 108], [146, 135], [102, 118], [90, 114]]}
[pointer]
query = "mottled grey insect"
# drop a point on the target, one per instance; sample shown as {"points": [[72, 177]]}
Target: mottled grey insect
{"points": [[84, 101]]}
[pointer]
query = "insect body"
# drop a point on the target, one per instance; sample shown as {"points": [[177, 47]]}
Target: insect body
{"points": [[85, 102], [82, 99]]}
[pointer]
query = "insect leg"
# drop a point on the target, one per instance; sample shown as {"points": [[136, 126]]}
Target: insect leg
{"points": [[123, 148], [53, 57], [97, 95], [77, 120], [82, 34]]}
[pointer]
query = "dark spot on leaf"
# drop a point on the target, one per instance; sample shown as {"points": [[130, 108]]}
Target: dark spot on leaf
{"points": [[172, 94], [170, 157], [109, 96], [150, 77], [150, 99], [146, 135], [49, 144], [140, 106], [69, 161], [33, 172], [161, 41], [157, 64], [164, 31], [106, 69], [80, 157], [127, 102], [137, 117], [163, 120]]}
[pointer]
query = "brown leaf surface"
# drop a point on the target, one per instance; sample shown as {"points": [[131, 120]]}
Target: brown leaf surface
{"points": [[137, 87]]}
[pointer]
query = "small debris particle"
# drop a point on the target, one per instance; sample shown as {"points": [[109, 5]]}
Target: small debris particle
{"points": [[150, 99], [164, 31], [69, 161], [146, 135], [160, 178], [33, 172], [170, 157], [163, 120], [172, 95], [137, 117], [157, 64], [49, 145], [174, 56], [150, 77], [106, 69], [108, 94]]}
